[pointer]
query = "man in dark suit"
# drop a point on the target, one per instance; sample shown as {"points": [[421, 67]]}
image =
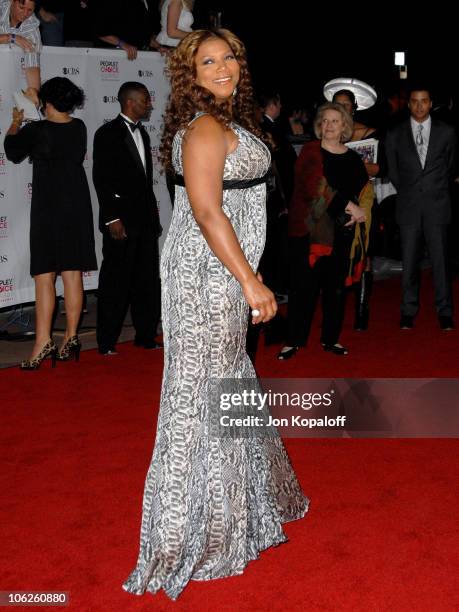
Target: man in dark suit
{"points": [[421, 160], [129, 222], [280, 190], [284, 154]]}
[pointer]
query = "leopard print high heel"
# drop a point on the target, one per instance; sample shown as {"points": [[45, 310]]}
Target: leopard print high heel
{"points": [[70, 349], [49, 350]]}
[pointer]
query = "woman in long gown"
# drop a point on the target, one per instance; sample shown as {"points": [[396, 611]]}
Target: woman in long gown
{"points": [[211, 504]]}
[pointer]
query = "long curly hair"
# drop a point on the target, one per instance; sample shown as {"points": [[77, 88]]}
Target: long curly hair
{"points": [[187, 98]]}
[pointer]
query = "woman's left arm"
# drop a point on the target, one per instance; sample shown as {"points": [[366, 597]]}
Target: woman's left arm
{"points": [[173, 17]]}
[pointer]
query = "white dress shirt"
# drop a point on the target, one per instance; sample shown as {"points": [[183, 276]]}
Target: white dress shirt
{"points": [[137, 138]]}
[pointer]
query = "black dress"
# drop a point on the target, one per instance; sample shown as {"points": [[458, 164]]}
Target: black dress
{"points": [[61, 223]]}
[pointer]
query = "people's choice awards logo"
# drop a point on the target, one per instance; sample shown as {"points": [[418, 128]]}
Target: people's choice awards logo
{"points": [[110, 99], [6, 289], [109, 70], [145, 74]]}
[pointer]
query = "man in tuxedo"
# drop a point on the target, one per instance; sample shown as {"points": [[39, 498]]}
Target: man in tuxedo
{"points": [[129, 222], [421, 158]]}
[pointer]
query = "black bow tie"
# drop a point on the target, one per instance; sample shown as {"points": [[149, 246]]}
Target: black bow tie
{"points": [[133, 126]]}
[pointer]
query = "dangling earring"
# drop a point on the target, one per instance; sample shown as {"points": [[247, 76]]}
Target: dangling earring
{"points": [[234, 92]]}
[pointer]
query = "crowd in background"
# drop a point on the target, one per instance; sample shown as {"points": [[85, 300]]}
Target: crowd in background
{"points": [[300, 144]]}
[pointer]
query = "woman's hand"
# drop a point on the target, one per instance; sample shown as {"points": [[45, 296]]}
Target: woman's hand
{"points": [[24, 43], [18, 117], [260, 298], [357, 213], [16, 122]]}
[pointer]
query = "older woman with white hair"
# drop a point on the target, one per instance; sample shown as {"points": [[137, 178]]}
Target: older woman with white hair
{"points": [[331, 199]]}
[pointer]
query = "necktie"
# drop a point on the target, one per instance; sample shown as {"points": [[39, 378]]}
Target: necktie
{"points": [[420, 145]]}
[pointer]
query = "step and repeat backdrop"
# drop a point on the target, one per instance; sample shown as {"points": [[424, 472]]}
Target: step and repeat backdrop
{"points": [[100, 73]]}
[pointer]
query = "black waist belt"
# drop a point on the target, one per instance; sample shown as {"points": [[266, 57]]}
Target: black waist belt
{"points": [[231, 184]]}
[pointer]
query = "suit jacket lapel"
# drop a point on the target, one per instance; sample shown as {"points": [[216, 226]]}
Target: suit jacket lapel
{"points": [[433, 138]]}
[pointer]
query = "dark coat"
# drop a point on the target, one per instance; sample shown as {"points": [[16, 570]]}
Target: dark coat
{"points": [[422, 193]]}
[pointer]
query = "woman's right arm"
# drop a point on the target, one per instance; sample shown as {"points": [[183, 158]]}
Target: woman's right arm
{"points": [[18, 142], [204, 149], [173, 15]]}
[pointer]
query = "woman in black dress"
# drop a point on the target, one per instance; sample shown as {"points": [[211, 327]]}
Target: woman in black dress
{"points": [[61, 223]]}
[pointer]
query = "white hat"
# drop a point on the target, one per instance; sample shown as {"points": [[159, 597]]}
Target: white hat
{"points": [[364, 94]]}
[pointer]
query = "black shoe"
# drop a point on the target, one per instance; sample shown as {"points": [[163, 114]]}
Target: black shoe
{"points": [[446, 323], [406, 322], [283, 355], [108, 352], [148, 344], [336, 349]]}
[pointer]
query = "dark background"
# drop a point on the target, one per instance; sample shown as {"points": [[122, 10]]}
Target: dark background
{"points": [[297, 46]]}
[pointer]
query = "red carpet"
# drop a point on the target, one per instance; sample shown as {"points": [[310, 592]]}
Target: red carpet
{"points": [[381, 533]]}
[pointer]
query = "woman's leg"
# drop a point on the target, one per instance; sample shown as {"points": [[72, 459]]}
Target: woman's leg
{"points": [[73, 298], [45, 301]]}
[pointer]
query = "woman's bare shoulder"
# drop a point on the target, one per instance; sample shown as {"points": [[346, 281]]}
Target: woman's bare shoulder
{"points": [[205, 128]]}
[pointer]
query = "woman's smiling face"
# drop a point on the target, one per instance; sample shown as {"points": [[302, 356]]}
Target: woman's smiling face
{"points": [[217, 68]]}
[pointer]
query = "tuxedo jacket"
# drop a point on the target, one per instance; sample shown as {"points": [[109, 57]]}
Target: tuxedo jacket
{"points": [[124, 187], [422, 193]]}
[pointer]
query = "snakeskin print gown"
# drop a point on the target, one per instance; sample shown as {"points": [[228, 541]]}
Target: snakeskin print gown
{"points": [[210, 505]]}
